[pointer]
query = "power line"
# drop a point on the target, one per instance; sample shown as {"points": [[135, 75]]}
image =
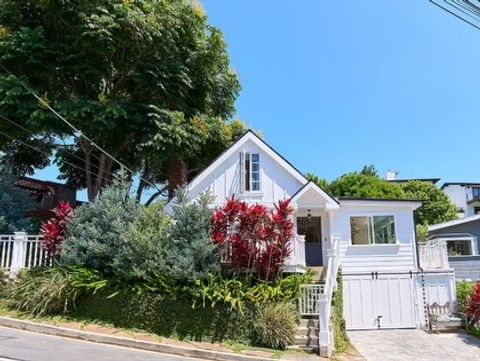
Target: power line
{"points": [[64, 161], [73, 127], [48, 154]]}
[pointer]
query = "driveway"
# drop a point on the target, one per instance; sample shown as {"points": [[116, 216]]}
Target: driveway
{"points": [[415, 345]]}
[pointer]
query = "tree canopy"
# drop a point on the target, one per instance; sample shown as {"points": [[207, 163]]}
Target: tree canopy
{"points": [[150, 82], [436, 206]]}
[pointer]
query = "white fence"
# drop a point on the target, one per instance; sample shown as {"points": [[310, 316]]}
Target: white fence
{"points": [[20, 250], [433, 255]]}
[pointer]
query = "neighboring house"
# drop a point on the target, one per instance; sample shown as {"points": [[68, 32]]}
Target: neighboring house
{"points": [[465, 197], [391, 176], [462, 237], [373, 240], [46, 195]]}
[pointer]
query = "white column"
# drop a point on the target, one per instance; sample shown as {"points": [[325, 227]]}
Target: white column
{"points": [[19, 252]]}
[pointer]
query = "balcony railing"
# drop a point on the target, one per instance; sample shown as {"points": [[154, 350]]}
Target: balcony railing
{"points": [[433, 255]]}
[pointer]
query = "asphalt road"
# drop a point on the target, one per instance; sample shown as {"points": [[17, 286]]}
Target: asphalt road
{"points": [[18, 345]]}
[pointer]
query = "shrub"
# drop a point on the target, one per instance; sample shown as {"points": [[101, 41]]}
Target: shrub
{"points": [[339, 327], [473, 309], [276, 325], [142, 255], [464, 291], [95, 233], [53, 290], [54, 230], [191, 253], [258, 239]]}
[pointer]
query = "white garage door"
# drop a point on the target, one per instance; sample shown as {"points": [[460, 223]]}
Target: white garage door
{"points": [[384, 301]]}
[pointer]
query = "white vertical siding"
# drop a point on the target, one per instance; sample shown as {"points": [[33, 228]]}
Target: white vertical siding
{"points": [[276, 183]]}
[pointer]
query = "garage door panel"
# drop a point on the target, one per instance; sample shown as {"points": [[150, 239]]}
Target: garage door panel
{"points": [[388, 300]]}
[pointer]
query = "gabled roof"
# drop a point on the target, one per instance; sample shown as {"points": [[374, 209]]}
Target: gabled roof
{"points": [[249, 136], [331, 202], [463, 184], [455, 222]]}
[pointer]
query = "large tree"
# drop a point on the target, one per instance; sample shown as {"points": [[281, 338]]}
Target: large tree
{"points": [[436, 206], [150, 82]]}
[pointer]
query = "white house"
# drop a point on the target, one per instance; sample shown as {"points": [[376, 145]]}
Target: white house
{"points": [[465, 196], [387, 279]]}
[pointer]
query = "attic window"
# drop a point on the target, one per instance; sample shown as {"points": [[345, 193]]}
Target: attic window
{"points": [[250, 172]]}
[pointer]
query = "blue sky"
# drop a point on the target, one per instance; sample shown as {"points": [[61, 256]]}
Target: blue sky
{"points": [[335, 85]]}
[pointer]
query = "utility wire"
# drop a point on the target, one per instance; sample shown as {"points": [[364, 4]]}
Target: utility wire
{"points": [[64, 161], [75, 129]]}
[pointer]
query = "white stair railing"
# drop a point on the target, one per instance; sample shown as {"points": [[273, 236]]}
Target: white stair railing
{"points": [[325, 338], [20, 250]]}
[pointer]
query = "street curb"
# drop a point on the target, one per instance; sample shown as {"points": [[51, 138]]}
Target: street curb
{"points": [[126, 342]]}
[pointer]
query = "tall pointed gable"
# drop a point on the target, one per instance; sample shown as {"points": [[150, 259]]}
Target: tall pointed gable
{"points": [[279, 178]]}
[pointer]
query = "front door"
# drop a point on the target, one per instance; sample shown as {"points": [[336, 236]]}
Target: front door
{"points": [[311, 228]]}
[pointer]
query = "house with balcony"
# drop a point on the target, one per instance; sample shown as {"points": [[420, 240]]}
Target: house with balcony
{"points": [[465, 197], [388, 279]]}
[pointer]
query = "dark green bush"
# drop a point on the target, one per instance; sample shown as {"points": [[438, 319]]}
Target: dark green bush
{"points": [[276, 325], [339, 327]]}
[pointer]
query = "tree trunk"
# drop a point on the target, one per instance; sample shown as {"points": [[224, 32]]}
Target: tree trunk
{"points": [[177, 175]]}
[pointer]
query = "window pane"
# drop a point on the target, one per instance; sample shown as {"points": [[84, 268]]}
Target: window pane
{"points": [[255, 186], [255, 158], [360, 227], [459, 248], [384, 229]]}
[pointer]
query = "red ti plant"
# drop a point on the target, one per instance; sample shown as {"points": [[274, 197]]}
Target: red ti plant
{"points": [[54, 230], [473, 309], [258, 239]]}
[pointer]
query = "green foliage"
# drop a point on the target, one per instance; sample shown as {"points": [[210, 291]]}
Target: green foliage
{"points": [[464, 291], [14, 205], [238, 294], [321, 182], [52, 290], [191, 253], [276, 325], [104, 64], [436, 207], [359, 185], [143, 252], [95, 234], [422, 232], [341, 340]]}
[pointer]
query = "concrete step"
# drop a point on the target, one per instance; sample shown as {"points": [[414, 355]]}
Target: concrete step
{"points": [[310, 341], [306, 349], [309, 322], [307, 331]]}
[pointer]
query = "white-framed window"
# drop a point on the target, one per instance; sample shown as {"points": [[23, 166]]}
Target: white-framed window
{"points": [[250, 172], [372, 230], [461, 247]]}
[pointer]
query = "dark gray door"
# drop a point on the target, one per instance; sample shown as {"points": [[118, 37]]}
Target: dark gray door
{"points": [[311, 228]]}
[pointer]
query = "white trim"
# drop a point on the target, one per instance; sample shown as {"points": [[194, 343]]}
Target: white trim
{"points": [[471, 238], [368, 215], [455, 222], [249, 136], [381, 203], [330, 203]]}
